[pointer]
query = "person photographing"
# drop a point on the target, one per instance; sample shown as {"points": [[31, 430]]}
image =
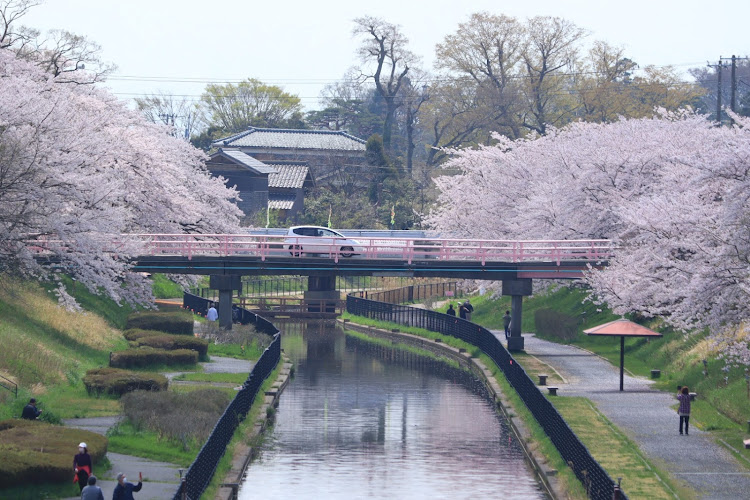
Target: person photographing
{"points": [[124, 489]]}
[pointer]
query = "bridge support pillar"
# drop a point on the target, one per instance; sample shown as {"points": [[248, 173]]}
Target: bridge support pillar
{"points": [[321, 294], [226, 284], [517, 289]]}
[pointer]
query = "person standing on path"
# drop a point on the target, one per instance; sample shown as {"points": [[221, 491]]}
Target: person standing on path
{"points": [[124, 490], [506, 324], [461, 311], [82, 466], [683, 396], [212, 315], [469, 309], [450, 311], [30, 411], [92, 491]]}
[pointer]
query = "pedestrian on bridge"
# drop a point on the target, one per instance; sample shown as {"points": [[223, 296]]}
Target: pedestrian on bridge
{"points": [[506, 324], [450, 311]]}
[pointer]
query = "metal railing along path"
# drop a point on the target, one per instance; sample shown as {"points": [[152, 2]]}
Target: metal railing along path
{"points": [[202, 470]]}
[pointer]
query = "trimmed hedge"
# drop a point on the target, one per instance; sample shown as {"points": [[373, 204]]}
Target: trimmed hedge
{"points": [[136, 333], [117, 381], [32, 451], [147, 357], [174, 342], [177, 322]]}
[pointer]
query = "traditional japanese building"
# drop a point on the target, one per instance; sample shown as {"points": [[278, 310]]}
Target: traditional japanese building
{"points": [[330, 155], [280, 186]]}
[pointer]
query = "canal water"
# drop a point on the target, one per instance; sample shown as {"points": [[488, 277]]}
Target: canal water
{"points": [[364, 421]]}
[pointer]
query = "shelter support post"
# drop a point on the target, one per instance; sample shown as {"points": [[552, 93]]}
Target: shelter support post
{"points": [[321, 294], [517, 289], [622, 361], [226, 284]]}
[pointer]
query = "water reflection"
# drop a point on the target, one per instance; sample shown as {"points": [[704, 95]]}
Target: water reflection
{"points": [[366, 422]]}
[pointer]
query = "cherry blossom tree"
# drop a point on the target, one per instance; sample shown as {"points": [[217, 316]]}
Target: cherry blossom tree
{"points": [[671, 191], [77, 167]]}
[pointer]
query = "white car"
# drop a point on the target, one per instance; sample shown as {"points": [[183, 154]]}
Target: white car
{"points": [[320, 240]]}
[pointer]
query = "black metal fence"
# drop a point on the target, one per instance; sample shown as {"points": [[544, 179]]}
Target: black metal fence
{"points": [[594, 478], [411, 293], [202, 469]]}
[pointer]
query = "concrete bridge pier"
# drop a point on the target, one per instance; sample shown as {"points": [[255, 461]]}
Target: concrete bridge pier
{"points": [[226, 284], [319, 289], [516, 288]]}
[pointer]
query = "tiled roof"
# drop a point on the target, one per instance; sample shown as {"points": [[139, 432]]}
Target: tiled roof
{"points": [[246, 161], [281, 201], [287, 176], [292, 139]]}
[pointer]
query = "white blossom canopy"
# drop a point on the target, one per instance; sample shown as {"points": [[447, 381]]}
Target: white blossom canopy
{"points": [[77, 166], [671, 191]]}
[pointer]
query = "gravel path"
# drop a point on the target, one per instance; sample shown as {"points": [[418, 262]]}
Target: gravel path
{"points": [[648, 417]]}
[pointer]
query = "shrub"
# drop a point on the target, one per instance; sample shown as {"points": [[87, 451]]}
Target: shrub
{"points": [[173, 342], [136, 333], [148, 357], [177, 416], [176, 322], [33, 451], [555, 324], [118, 382]]}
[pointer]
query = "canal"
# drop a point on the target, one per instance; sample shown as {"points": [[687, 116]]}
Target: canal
{"points": [[362, 421]]}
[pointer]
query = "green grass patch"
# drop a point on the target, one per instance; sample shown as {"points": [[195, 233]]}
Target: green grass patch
{"points": [[125, 438], [164, 288], [251, 352], [619, 456], [402, 347]]}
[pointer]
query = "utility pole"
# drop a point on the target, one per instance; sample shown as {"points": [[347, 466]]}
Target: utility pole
{"points": [[733, 93], [733, 83], [719, 68]]}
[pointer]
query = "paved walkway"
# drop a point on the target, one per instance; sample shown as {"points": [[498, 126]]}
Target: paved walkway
{"points": [[160, 479], [648, 417]]}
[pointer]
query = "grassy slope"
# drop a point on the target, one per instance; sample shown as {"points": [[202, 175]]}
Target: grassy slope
{"points": [[47, 350]]}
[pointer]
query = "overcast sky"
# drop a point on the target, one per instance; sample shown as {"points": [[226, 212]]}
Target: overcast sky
{"points": [[302, 45]]}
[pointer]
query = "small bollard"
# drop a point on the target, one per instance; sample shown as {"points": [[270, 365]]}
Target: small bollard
{"points": [[542, 379], [655, 373]]}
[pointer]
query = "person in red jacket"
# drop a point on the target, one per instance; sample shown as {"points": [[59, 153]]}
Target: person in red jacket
{"points": [[82, 466]]}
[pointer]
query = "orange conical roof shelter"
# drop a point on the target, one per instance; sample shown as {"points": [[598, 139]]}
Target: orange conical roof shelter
{"points": [[622, 328]]}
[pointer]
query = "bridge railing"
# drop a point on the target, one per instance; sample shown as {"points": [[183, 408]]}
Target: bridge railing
{"points": [[595, 479], [409, 249], [202, 470]]}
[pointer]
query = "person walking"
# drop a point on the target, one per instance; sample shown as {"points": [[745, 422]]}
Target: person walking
{"points": [[82, 466], [683, 396], [450, 311], [30, 411], [124, 490], [506, 324], [92, 491], [469, 309]]}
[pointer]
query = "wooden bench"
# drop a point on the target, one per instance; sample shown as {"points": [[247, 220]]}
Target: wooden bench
{"points": [[655, 373], [542, 379], [693, 395], [552, 390]]}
